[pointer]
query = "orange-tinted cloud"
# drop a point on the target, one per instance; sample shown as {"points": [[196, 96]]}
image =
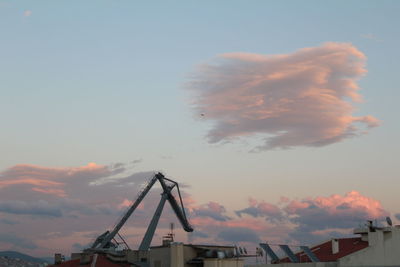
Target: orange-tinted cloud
{"points": [[51, 191], [305, 98], [37, 182], [336, 205], [50, 180]]}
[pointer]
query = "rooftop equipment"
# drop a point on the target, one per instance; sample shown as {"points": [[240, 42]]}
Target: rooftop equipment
{"points": [[269, 252], [289, 253], [309, 253]]}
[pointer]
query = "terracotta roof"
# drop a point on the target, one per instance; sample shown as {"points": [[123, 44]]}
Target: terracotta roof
{"points": [[102, 261], [324, 251]]}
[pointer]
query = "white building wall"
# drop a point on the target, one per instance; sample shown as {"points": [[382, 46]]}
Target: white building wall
{"points": [[177, 259], [223, 263], [383, 250]]}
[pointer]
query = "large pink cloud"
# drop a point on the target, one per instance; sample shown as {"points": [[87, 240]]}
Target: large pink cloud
{"points": [[305, 98]]}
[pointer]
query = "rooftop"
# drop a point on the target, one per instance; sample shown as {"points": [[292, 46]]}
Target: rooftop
{"points": [[325, 253]]}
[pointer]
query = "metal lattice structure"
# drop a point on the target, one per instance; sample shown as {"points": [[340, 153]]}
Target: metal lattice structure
{"points": [[104, 241]]}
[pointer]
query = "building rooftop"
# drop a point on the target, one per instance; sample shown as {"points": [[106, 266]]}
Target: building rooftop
{"points": [[326, 253], [98, 261]]}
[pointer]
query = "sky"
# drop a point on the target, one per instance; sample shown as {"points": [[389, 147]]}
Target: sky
{"points": [[278, 119]]}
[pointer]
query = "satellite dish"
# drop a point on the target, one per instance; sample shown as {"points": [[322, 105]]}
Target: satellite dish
{"points": [[389, 221]]}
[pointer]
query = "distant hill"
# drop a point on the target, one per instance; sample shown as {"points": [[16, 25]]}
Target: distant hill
{"points": [[25, 257], [49, 260]]}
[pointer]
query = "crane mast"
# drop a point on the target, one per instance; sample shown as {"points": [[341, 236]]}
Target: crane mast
{"points": [[104, 241]]}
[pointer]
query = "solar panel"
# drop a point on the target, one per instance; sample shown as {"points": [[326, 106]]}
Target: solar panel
{"points": [[269, 251], [289, 253], [309, 253]]}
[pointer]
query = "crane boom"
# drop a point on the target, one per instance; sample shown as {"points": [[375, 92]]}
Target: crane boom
{"points": [[180, 213], [104, 240]]}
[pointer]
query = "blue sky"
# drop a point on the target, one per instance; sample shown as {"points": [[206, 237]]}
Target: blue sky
{"points": [[104, 82]]}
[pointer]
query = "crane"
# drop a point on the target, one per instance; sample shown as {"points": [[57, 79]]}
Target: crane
{"points": [[104, 241]]}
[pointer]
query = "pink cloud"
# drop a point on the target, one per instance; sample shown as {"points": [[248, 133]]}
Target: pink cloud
{"points": [[334, 214], [36, 182], [51, 191], [70, 200], [50, 180], [22, 171], [262, 209], [336, 204], [313, 219], [351, 203], [305, 98], [125, 204]]}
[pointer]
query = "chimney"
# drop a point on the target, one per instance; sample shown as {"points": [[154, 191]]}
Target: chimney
{"points": [[335, 246], [85, 259], [57, 258]]}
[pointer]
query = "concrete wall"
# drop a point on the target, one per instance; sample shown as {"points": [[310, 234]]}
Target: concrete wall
{"points": [[160, 257], [188, 254], [177, 256], [383, 250]]}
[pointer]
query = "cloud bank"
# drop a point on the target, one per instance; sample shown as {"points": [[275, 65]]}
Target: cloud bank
{"points": [[305, 98], [90, 199], [324, 216]]}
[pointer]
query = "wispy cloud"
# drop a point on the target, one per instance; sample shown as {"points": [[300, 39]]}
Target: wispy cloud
{"points": [[305, 98], [371, 36]]}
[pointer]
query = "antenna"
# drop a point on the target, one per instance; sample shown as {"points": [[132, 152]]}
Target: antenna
{"points": [[169, 238], [171, 233]]}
